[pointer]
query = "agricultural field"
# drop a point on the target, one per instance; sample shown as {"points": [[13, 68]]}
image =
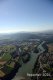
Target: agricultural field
{"points": [[50, 47], [7, 61]]}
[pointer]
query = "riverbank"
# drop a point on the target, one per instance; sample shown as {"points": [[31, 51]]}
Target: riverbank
{"points": [[11, 75]]}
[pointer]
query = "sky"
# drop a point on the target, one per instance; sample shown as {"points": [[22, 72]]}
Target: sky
{"points": [[26, 15]]}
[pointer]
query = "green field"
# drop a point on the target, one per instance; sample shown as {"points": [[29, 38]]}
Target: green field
{"points": [[6, 56], [7, 62], [6, 52]]}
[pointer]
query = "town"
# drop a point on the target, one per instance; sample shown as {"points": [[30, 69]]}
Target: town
{"points": [[12, 57]]}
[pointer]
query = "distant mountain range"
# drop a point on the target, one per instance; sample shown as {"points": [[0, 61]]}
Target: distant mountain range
{"points": [[26, 35]]}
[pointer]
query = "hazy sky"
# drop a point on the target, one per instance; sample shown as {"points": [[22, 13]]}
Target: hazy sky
{"points": [[26, 15]]}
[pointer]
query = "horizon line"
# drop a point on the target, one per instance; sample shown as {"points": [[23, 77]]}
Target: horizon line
{"points": [[26, 32]]}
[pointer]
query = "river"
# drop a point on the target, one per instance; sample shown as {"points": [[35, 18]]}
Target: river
{"points": [[27, 67]]}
